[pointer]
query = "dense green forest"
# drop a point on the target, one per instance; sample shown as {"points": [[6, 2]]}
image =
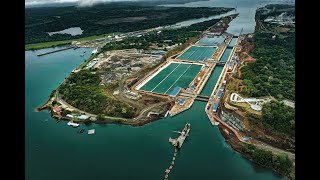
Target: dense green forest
{"points": [[177, 36], [278, 117], [277, 9], [105, 18], [82, 91], [274, 71], [281, 163]]}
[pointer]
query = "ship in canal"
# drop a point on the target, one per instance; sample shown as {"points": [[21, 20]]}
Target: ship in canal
{"points": [[177, 142]]}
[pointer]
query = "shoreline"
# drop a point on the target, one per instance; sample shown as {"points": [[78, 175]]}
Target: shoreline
{"points": [[230, 139], [140, 120], [48, 104], [109, 121], [52, 44], [236, 145]]}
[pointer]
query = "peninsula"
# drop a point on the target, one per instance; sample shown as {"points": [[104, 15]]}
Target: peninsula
{"points": [[247, 81]]}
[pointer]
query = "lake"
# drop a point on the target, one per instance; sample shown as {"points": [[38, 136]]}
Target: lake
{"points": [[73, 31]]}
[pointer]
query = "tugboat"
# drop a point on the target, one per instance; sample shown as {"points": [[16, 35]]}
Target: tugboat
{"points": [[177, 142], [70, 123]]}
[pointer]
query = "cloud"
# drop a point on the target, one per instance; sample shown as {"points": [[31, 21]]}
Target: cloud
{"points": [[79, 2]]}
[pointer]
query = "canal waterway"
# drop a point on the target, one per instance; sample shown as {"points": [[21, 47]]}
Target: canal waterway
{"points": [[55, 150], [212, 81], [226, 54]]}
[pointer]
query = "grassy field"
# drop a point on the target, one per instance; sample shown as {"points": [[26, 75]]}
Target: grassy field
{"points": [[56, 43]]}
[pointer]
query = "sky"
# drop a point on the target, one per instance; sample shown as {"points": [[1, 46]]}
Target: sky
{"points": [[79, 2], [29, 3]]}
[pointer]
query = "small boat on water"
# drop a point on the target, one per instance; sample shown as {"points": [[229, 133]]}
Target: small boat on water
{"points": [[73, 124], [80, 131], [91, 131], [94, 51], [81, 55]]}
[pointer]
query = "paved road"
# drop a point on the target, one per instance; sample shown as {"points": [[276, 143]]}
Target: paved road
{"points": [[288, 103], [275, 150], [149, 108]]}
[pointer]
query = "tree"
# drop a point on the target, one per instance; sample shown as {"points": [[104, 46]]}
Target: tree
{"points": [[100, 117]]}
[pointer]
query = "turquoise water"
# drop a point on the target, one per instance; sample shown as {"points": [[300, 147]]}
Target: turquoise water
{"points": [[55, 151], [188, 53], [159, 77], [116, 152], [187, 77], [164, 85], [225, 55], [195, 53], [215, 40], [212, 81], [233, 41]]}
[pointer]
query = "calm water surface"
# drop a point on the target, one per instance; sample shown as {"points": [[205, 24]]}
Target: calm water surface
{"points": [[55, 151], [73, 31]]}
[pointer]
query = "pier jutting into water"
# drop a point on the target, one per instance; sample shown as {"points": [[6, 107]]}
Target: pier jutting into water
{"points": [[69, 47]]}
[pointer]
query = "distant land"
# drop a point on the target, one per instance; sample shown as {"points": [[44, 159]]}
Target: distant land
{"points": [[144, 2], [121, 18]]}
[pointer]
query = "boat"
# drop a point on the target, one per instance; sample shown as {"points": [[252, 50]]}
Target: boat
{"points": [[94, 51], [81, 55], [73, 124], [215, 123], [81, 131], [91, 131], [177, 142]]}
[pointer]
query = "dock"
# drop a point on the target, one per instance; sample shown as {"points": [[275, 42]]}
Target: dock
{"points": [[42, 54], [178, 142]]}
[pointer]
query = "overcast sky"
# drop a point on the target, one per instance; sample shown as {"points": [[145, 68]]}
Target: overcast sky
{"points": [[92, 2], [80, 2]]}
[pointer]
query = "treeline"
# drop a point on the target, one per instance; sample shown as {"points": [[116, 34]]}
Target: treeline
{"points": [[176, 36], [82, 91], [278, 117], [280, 163], [277, 9], [274, 71], [105, 18]]}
